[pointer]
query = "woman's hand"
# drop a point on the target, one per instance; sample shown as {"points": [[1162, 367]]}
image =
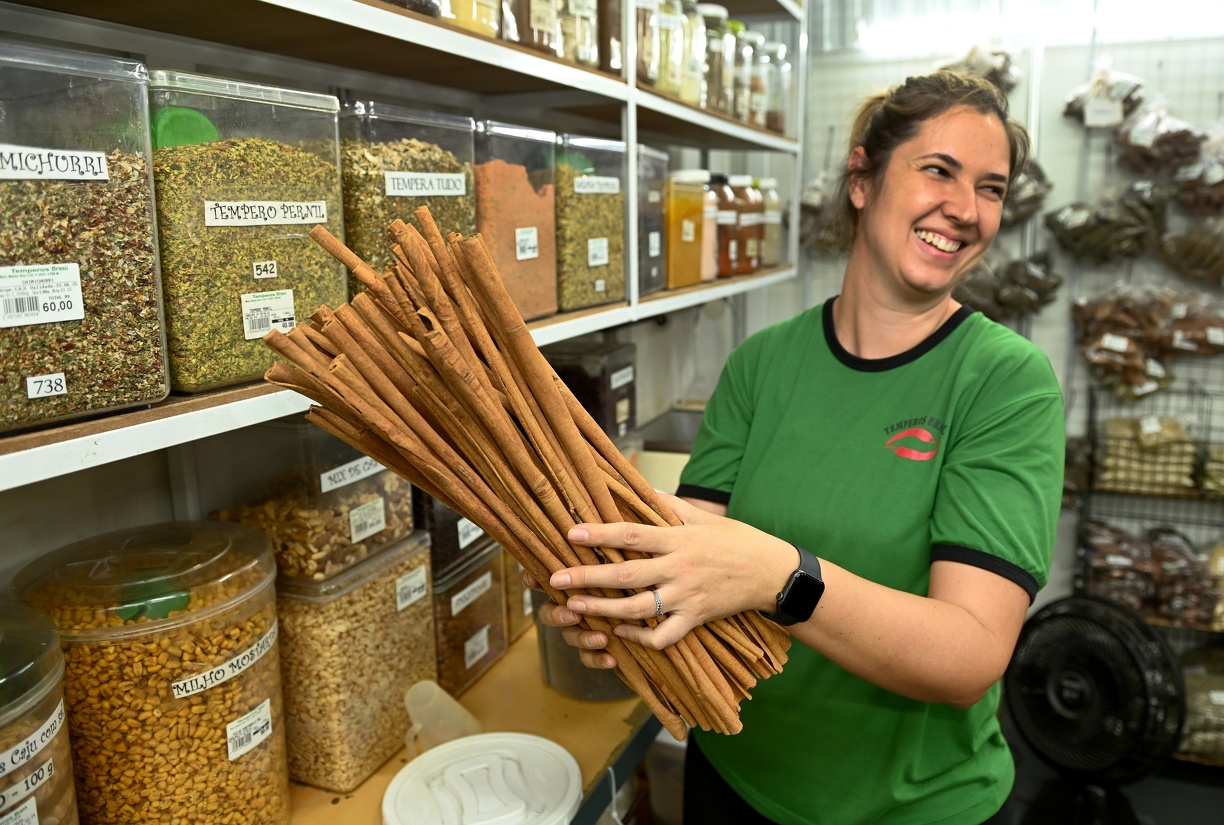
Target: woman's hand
{"points": [[590, 643]]}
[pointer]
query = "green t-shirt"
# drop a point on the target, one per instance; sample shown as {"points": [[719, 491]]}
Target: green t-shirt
{"points": [[951, 451]]}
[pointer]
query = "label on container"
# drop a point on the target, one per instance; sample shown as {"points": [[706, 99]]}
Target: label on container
{"points": [[1150, 425], [25, 750], [1215, 336], [33, 163], [710, 213], [1101, 111], [654, 245], [623, 408], [1216, 696], [647, 5], [468, 531], [688, 231], [27, 814], [1115, 343], [583, 8], [727, 217], [528, 607], [425, 184], [29, 783], [261, 311], [526, 243], [773, 216], [1116, 560], [654, 196], [368, 519], [597, 252], [410, 588], [732, 250], [1183, 341], [751, 218], [596, 185], [40, 294], [601, 285], [670, 22], [246, 732], [543, 15], [264, 269], [226, 670], [46, 386], [346, 474], [263, 213], [471, 593], [476, 647], [750, 247], [622, 377]]}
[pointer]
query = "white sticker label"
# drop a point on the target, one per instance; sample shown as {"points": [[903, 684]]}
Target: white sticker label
{"points": [[264, 269], [526, 243], [33, 163], [29, 783], [601, 286], [773, 216], [27, 814], [1073, 217], [647, 5], [688, 231], [261, 311], [40, 294], [527, 605], [543, 15], [1213, 174], [25, 750], [654, 196], [1143, 133], [621, 377], [1181, 341], [410, 588], [1154, 368], [264, 213], [583, 8], [368, 519], [425, 184], [596, 185], [727, 217], [226, 670], [1149, 425], [471, 593], [733, 250], [346, 474], [46, 386], [597, 252], [1100, 112], [476, 647], [654, 244], [1115, 560], [246, 732], [669, 22], [710, 213], [1116, 343], [469, 531], [1215, 336], [752, 219], [1216, 696], [623, 407]]}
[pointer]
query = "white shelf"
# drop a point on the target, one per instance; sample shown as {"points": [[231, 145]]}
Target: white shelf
{"points": [[681, 122]]}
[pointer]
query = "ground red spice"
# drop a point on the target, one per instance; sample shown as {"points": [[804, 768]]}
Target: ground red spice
{"points": [[505, 202]]}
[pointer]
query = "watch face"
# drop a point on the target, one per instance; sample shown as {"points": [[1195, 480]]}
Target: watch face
{"points": [[804, 592]]}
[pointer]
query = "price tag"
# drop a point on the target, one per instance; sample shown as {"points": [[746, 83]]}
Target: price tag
{"points": [[654, 244], [688, 231], [410, 588], [1100, 112], [29, 783], [468, 531], [46, 386], [476, 647], [368, 519], [40, 294], [246, 732], [597, 252], [526, 243], [264, 269], [346, 474], [261, 311], [1143, 133]]}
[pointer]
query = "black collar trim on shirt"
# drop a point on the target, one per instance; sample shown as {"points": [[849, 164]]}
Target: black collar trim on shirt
{"points": [[893, 361]]}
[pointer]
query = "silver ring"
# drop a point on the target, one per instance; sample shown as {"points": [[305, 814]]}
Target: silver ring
{"points": [[658, 605]]}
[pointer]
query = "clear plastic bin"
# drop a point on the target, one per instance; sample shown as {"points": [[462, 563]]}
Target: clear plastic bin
{"points": [[516, 211], [324, 505], [172, 684], [519, 609], [602, 376], [685, 210], [652, 237], [81, 324], [243, 172], [565, 673], [350, 648], [395, 160], [470, 617], [453, 539], [590, 222], [35, 756]]}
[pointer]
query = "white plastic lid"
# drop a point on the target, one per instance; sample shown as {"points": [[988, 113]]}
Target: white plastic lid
{"points": [[690, 175], [487, 779], [768, 183], [712, 10], [740, 180]]}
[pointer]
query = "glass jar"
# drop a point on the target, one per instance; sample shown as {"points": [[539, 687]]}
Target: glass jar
{"points": [[477, 16], [685, 209], [746, 43], [671, 46], [727, 221], [692, 80], [531, 23], [578, 21], [718, 58], [611, 51], [652, 241], [750, 219], [647, 42], [758, 81], [778, 88], [772, 252], [709, 232]]}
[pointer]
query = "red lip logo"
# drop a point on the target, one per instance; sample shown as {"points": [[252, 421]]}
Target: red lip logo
{"points": [[909, 452]]}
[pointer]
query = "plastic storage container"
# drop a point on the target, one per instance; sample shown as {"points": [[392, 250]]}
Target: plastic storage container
{"points": [[478, 16], [750, 220], [778, 88], [746, 43], [519, 608], [709, 233], [590, 222], [565, 673], [324, 505], [350, 648], [692, 79], [772, 252], [516, 211], [647, 18], [578, 22], [602, 377], [671, 47], [686, 193], [78, 259], [243, 172], [172, 682], [395, 160], [720, 58], [758, 80], [470, 616], [652, 240], [531, 23], [35, 757], [727, 219], [611, 51], [453, 539]]}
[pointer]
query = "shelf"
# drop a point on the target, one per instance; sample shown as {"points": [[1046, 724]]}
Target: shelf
{"points": [[513, 697]]}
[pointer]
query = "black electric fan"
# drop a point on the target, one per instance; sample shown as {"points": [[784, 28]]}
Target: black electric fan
{"points": [[1098, 696]]}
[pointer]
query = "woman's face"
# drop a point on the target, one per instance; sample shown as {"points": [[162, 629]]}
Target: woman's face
{"points": [[930, 214]]}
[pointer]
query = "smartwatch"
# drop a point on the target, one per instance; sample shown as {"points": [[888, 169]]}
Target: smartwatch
{"points": [[802, 591]]}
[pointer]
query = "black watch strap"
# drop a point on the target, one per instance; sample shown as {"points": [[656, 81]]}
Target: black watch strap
{"points": [[801, 593]]}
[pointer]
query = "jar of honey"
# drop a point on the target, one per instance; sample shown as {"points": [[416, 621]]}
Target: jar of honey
{"points": [[685, 210]]}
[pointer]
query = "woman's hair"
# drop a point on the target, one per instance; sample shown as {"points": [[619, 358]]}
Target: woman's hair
{"points": [[886, 120]]}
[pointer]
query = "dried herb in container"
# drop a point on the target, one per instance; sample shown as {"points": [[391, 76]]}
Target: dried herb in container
{"points": [[590, 222]]}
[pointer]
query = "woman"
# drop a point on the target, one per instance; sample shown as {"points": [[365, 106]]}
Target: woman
{"points": [[895, 446]]}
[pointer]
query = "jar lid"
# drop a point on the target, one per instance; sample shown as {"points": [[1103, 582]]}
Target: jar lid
{"points": [[241, 90], [145, 580], [487, 779], [738, 181], [374, 110], [718, 180], [768, 183], [30, 659], [690, 175], [712, 10]]}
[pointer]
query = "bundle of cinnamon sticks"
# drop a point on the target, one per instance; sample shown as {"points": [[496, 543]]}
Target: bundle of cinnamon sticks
{"points": [[432, 372]]}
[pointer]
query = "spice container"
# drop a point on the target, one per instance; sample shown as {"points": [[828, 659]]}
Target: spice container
{"points": [[519, 609], [709, 232], [652, 246], [590, 222], [35, 758], [81, 323], [395, 160], [758, 81], [242, 172], [478, 16], [746, 43], [778, 89], [453, 539], [531, 23], [750, 220], [692, 80], [647, 18], [324, 505], [727, 220], [772, 253], [470, 616], [565, 673], [350, 648], [602, 378], [685, 210], [578, 22], [172, 679], [670, 19], [720, 58], [611, 51], [516, 211]]}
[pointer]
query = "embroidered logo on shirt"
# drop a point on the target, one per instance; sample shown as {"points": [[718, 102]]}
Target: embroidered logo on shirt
{"points": [[914, 438]]}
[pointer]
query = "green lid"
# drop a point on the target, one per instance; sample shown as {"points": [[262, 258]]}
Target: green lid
{"points": [[736, 27], [180, 126], [30, 659]]}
